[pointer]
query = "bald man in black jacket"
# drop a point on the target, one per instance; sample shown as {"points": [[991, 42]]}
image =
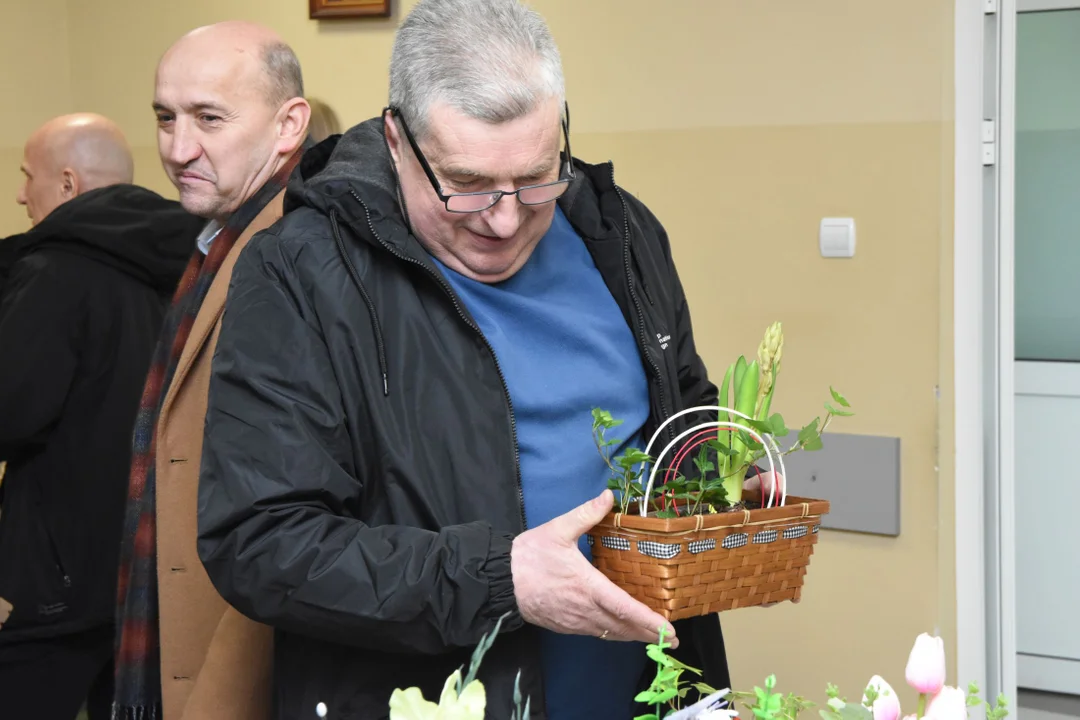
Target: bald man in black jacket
{"points": [[82, 297]]}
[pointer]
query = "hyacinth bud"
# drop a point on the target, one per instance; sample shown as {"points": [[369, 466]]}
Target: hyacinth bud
{"points": [[769, 354], [772, 346]]}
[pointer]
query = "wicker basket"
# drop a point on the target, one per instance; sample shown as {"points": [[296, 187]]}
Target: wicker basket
{"points": [[690, 566]]}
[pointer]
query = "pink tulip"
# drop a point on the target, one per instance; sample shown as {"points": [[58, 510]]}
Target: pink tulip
{"points": [[949, 704], [887, 705], [926, 665]]}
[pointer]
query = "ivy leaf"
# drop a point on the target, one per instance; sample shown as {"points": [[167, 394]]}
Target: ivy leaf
{"points": [[840, 399], [632, 456], [750, 442], [597, 419], [776, 422], [604, 419], [809, 431], [813, 443], [721, 447], [838, 413], [703, 463], [679, 484], [762, 426]]}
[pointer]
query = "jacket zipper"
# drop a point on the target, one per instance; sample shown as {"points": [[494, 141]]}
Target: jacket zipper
{"points": [[642, 339], [461, 313], [56, 557]]}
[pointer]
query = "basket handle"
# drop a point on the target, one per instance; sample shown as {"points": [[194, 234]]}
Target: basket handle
{"points": [[709, 425]]}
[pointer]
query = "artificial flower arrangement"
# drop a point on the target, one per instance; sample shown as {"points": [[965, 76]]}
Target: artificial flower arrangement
{"points": [[684, 540], [925, 673], [464, 699]]}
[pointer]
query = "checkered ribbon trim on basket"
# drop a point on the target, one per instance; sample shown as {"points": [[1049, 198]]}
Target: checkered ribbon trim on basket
{"points": [[660, 551], [765, 537], [700, 546], [816, 529], [735, 540], [794, 533], [615, 543], [589, 539]]}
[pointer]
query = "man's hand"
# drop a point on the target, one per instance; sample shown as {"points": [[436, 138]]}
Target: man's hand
{"points": [[558, 589], [754, 484], [767, 480], [5, 611]]}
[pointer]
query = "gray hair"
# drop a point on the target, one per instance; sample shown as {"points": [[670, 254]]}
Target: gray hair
{"points": [[283, 74], [493, 60]]}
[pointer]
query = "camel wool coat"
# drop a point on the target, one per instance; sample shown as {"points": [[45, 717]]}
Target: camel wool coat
{"points": [[216, 664]]}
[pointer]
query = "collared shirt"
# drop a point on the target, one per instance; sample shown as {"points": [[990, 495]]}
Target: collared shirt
{"points": [[206, 237]]}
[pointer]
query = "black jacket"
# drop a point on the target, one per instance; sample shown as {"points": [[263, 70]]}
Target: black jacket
{"points": [[80, 311], [360, 486]]}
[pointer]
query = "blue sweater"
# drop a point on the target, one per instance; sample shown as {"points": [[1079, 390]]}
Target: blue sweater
{"points": [[564, 348]]}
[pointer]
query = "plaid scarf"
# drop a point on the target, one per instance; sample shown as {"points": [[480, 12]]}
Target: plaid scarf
{"points": [[138, 655]]}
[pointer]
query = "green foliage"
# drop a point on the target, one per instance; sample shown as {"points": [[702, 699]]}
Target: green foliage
{"points": [[998, 711], [870, 696], [520, 712], [625, 479], [668, 687], [847, 711], [721, 464], [769, 705], [478, 654], [766, 704]]}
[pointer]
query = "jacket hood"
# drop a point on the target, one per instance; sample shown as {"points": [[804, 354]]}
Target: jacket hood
{"points": [[352, 175], [334, 173], [128, 227]]}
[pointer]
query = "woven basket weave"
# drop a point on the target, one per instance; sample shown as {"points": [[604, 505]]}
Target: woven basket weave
{"points": [[690, 566]]}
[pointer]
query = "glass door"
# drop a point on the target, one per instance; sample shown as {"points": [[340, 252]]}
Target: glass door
{"points": [[1047, 349]]}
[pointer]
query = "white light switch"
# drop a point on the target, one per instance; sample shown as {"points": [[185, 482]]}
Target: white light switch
{"points": [[837, 237]]}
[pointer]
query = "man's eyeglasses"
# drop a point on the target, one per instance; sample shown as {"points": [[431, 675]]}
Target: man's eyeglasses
{"points": [[478, 201]]}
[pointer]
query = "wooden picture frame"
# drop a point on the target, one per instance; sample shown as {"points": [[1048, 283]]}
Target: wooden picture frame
{"points": [[328, 9]]}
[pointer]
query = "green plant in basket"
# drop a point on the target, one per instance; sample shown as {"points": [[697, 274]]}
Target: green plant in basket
{"points": [[721, 462], [624, 478], [748, 389]]}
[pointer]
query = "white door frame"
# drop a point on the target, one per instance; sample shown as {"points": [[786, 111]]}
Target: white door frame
{"points": [[985, 64]]}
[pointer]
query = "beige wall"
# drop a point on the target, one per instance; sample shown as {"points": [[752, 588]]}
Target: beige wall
{"points": [[741, 124], [35, 82]]}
